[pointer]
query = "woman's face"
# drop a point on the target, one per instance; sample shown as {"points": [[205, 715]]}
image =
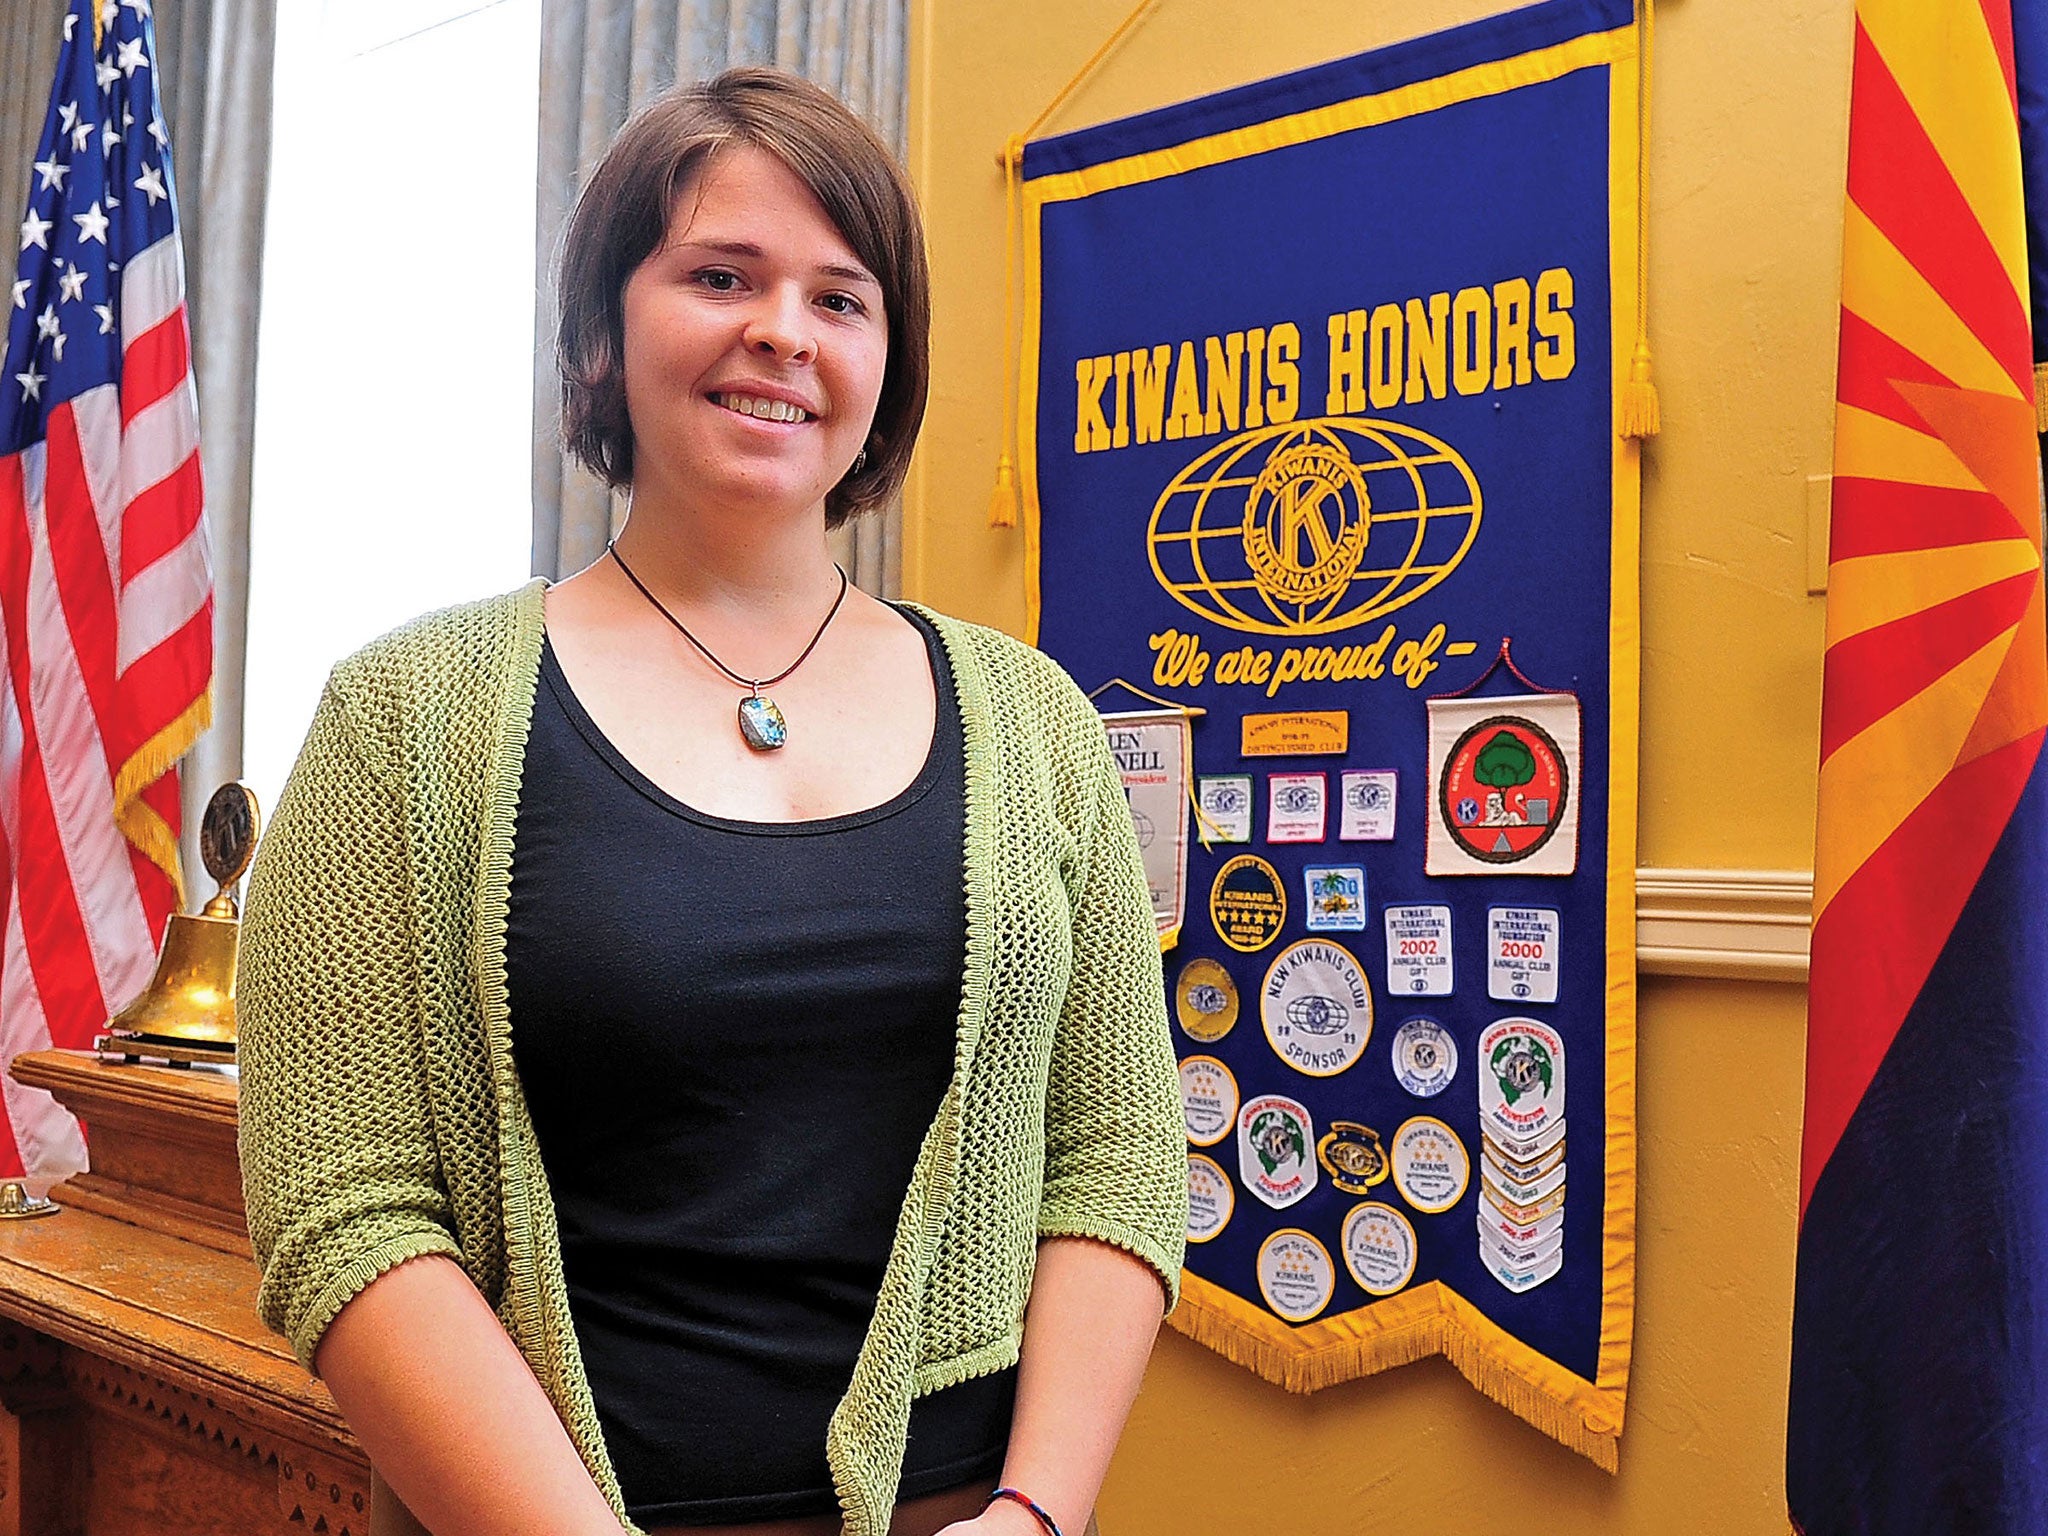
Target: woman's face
{"points": [[755, 343]]}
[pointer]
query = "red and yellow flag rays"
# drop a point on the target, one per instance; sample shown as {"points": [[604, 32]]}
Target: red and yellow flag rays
{"points": [[1936, 693]]}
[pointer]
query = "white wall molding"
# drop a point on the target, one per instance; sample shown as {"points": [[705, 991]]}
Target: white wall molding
{"points": [[1731, 924]]}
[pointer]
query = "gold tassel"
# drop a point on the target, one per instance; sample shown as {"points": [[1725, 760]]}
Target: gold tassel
{"points": [[1640, 414], [1002, 503], [1639, 410], [2041, 397]]}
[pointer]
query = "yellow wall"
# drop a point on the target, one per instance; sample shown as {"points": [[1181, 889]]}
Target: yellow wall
{"points": [[1750, 120]]}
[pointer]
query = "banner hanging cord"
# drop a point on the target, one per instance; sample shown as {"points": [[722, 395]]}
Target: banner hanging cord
{"points": [[1640, 413], [1003, 502]]}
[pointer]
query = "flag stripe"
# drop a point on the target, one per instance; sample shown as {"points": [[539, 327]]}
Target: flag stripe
{"points": [[1894, 298], [153, 365], [163, 599], [1909, 195], [1875, 672], [71, 529], [1872, 783], [160, 518], [1881, 517], [1879, 448], [77, 769], [1949, 72], [158, 443], [1872, 590], [152, 288]]}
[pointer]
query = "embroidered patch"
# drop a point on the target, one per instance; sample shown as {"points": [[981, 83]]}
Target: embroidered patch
{"points": [[1205, 1000], [1419, 951], [1316, 1007], [1425, 1057], [1521, 1086], [1226, 805], [1296, 733], [1295, 1275], [1366, 810], [1503, 775], [1379, 1248], [1352, 1156], [1521, 954], [1297, 808], [1431, 1167], [1275, 1138], [1208, 1099], [1247, 903], [1211, 1200], [1519, 1192], [1336, 898]]}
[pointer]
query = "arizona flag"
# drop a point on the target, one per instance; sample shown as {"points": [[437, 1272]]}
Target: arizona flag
{"points": [[1919, 1394]]}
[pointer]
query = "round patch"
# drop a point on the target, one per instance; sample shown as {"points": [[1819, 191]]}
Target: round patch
{"points": [[1275, 1150], [1521, 1085], [1247, 904], [1316, 1007], [1295, 1275], [1379, 1248], [1425, 1057], [1210, 1198], [1205, 1000], [1502, 794], [1431, 1166], [1208, 1099], [1353, 1156]]}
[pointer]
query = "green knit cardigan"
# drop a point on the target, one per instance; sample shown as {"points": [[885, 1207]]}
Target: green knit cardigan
{"points": [[381, 1113]]}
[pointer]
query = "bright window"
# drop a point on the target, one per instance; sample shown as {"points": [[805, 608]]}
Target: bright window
{"points": [[393, 448]]}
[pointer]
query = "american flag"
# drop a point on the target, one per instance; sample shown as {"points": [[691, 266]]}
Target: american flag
{"points": [[106, 591]]}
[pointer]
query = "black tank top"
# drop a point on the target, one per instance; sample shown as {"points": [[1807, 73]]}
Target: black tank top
{"points": [[732, 1037]]}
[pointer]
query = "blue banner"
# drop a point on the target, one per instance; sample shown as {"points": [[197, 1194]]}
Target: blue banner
{"points": [[1319, 440]]}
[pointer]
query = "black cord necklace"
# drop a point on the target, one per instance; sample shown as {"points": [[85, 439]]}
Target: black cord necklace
{"points": [[762, 726]]}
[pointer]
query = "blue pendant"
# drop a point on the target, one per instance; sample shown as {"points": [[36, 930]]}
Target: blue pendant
{"points": [[761, 723]]}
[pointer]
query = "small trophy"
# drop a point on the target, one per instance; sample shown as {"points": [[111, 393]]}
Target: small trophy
{"points": [[187, 1012]]}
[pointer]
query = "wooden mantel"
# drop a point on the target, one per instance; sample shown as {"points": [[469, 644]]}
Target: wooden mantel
{"points": [[138, 1391]]}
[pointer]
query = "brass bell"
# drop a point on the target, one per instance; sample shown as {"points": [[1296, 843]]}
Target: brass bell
{"points": [[190, 1001]]}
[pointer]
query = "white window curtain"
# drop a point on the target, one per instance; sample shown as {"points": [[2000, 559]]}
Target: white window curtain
{"points": [[602, 59]]}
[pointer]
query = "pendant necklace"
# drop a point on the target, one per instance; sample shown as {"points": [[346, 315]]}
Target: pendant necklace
{"points": [[761, 724]]}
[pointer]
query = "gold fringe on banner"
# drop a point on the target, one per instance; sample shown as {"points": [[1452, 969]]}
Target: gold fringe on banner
{"points": [[1003, 502], [1640, 413], [2041, 397], [1428, 1320]]}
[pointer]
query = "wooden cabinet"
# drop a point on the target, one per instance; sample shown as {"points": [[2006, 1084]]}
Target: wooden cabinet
{"points": [[138, 1392]]}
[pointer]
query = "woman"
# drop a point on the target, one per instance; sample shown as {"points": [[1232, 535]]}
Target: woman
{"points": [[704, 1059]]}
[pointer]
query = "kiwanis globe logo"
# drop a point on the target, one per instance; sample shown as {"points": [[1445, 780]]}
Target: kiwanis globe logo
{"points": [[1313, 527]]}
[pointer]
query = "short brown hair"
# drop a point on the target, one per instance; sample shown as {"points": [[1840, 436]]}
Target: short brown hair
{"points": [[622, 218]]}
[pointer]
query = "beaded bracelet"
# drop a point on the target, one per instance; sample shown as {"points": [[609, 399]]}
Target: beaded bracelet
{"points": [[1018, 1496]]}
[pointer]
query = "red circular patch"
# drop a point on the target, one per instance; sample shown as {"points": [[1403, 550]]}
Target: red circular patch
{"points": [[1503, 791]]}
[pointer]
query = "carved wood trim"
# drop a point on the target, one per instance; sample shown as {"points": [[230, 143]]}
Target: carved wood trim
{"points": [[163, 1408]]}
